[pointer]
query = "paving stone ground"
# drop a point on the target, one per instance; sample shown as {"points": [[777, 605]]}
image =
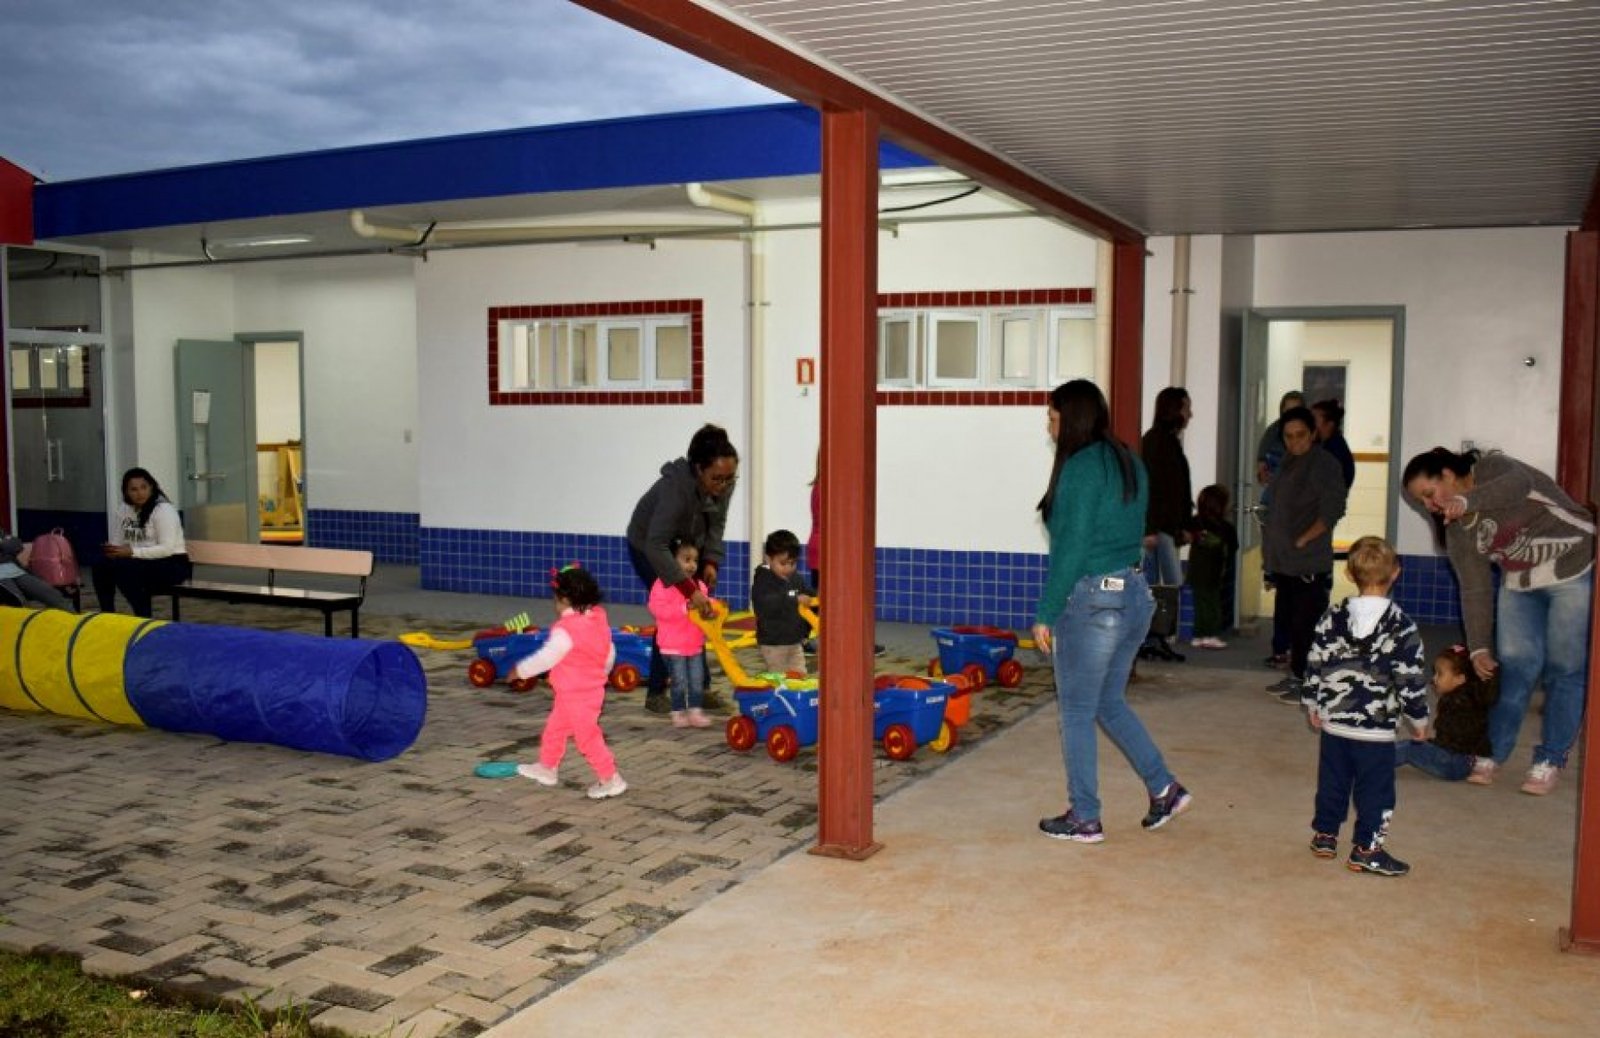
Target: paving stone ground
{"points": [[406, 897]]}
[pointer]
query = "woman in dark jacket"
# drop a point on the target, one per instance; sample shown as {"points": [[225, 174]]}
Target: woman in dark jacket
{"points": [[1171, 502], [688, 504], [1308, 500]]}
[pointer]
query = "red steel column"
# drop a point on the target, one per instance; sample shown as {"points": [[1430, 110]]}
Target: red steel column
{"points": [[1127, 339], [849, 479], [1575, 469], [1580, 341]]}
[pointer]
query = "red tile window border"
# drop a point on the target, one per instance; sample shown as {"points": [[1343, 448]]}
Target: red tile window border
{"points": [[693, 308], [998, 298]]}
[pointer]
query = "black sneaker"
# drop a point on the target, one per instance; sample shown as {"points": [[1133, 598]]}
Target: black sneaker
{"points": [[658, 702], [1324, 845], [809, 646], [1276, 660], [879, 650], [1377, 861], [1070, 827], [1294, 696], [1173, 801]]}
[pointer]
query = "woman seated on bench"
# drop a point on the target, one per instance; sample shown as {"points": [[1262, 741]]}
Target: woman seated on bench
{"points": [[150, 556]]}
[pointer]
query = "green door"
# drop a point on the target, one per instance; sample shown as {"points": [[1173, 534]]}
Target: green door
{"points": [[216, 440]]}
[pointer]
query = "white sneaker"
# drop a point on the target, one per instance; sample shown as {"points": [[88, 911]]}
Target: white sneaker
{"points": [[539, 773], [1541, 778], [1483, 769], [611, 787]]}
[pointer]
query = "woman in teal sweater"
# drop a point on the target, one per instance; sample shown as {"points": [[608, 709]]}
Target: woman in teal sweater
{"points": [[1096, 609]]}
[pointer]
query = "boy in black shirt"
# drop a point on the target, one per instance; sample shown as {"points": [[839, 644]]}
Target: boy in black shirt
{"points": [[776, 595]]}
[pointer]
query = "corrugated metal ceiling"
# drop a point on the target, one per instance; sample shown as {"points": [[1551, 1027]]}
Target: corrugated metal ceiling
{"points": [[1229, 116]]}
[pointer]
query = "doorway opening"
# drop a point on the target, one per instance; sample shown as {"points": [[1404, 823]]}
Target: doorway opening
{"points": [[1350, 354], [280, 444]]}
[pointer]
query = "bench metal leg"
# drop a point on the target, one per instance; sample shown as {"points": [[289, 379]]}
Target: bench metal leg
{"points": [[327, 623], [174, 608], [355, 623]]}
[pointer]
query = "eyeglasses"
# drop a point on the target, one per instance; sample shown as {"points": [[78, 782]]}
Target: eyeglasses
{"points": [[723, 481]]}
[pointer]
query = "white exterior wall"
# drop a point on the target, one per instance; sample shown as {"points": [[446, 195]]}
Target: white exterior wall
{"points": [[1476, 304], [564, 468], [168, 305], [954, 478], [358, 320], [358, 317], [1202, 355]]}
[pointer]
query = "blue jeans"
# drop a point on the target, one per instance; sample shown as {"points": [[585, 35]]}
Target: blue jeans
{"points": [[1161, 563], [1542, 636], [1096, 638], [1433, 759], [1350, 769], [688, 674]]}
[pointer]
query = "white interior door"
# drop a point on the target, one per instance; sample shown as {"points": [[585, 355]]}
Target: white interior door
{"points": [[216, 440]]}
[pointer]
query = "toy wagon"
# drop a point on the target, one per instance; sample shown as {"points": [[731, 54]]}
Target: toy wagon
{"points": [[499, 650], [957, 704], [982, 654], [784, 718], [905, 717]]}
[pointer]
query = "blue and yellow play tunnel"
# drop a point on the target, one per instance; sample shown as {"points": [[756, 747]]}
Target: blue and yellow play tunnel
{"points": [[363, 699]]}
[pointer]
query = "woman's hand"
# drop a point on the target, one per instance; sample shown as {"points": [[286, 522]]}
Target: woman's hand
{"points": [[117, 551], [708, 574], [1451, 507], [1043, 640], [1484, 663]]}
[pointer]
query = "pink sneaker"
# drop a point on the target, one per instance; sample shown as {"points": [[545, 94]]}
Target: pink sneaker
{"points": [[680, 719], [1541, 778], [1483, 769], [698, 718]]}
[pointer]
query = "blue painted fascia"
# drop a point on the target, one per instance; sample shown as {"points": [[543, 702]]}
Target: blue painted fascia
{"points": [[725, 144]]}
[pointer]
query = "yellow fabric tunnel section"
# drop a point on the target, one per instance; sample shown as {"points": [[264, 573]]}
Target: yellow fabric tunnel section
{"points": [[57, 662]]}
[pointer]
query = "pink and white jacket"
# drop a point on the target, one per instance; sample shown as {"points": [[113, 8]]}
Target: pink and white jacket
{"points": [[577, 655], [676, 634]]}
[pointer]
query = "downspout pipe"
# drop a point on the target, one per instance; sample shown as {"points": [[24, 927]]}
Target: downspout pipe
{"points": [[755, 301], [1181, 291]]}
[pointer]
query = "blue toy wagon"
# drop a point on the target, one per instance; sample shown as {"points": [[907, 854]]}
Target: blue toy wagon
{"points": [[982, 654], [784, 718], [904, 718], [498, 651]]}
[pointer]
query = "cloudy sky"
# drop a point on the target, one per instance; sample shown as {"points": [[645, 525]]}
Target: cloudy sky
{"points": [[93, 87]]}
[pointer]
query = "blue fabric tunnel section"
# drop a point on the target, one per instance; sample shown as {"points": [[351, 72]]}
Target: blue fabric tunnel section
{"points": [[358, 698]]}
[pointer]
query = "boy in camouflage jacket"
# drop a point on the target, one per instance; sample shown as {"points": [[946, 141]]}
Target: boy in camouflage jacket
{"points": [[1364, 671]]}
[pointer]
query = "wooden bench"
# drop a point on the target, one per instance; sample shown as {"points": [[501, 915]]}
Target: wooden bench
{"points": [[273, 559]]}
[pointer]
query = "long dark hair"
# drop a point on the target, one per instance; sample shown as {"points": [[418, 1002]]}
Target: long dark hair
{"points": [[1085, 420], [1434, 464], [157, 495]]}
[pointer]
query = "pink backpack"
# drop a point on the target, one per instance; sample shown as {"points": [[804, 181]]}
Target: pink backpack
{"points": [[52, 561]]}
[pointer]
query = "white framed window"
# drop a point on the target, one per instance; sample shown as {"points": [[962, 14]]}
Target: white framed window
{"points": [[999, 347], [625, 354], [1072, 343], [899, 338], [955, 349]]}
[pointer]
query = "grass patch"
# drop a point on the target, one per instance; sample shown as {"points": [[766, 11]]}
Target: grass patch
{"points": [[48, 996]]}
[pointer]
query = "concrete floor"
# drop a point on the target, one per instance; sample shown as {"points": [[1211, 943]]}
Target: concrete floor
{"points": [[970, 922]]}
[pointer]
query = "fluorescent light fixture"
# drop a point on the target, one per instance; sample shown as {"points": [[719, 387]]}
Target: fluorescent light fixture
{"points": [[263, 240], [914, 177]]}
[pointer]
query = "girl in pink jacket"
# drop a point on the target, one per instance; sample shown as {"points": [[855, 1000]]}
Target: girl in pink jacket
{"points": [[576, 657], [681, 640]]}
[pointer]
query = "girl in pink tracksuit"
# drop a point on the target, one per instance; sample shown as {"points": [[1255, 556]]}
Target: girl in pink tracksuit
{"points": [[681, 640], [577, 657]]}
